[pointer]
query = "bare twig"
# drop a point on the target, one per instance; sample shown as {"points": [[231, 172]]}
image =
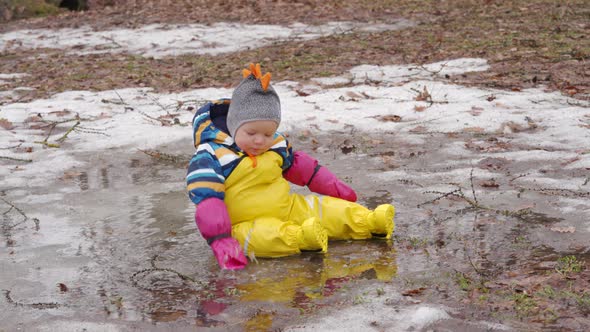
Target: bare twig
{"points": [[443, 195], [17, 159], [85, 130], [63, 138], [176, 159], [40, 305], [459, 194], [472, 187], [12, 147], [25, 217], [154, 268]]}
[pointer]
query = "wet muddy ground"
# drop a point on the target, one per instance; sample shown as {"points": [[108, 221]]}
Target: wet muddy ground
{"points": [[492, 232], [478, 233]]}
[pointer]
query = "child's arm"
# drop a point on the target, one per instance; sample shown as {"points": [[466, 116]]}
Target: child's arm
{"points": [[206, 188], [215, 226], [305, 170]]}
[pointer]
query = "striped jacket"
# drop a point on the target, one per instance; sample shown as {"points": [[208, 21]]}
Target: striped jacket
{"points": [[217, 154]]}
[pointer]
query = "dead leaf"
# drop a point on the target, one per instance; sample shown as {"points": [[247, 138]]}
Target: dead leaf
{"points": [[62, 287], [33, 118], [71, 175], [168, 116], [376, 142], [355, 96], [473, 130], [570, 229], [489, 184], [390, 118], [476, 111], [419, 129], [412, 292], [424, 95], [493, 163], [61, 113], [569, 161], [347, 147], [419, 108], [6, 124]]}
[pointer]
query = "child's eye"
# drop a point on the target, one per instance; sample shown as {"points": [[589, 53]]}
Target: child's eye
{"points": [[268, 135]]}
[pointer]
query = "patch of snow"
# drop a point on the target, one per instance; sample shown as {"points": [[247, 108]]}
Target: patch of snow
{"points": [[160, 40], [130, 118]]}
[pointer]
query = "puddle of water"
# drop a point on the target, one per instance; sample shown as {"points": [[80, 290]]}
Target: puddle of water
{"points": [[120, 237]]}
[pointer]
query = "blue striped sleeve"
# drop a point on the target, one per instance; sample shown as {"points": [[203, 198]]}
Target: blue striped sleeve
{"points": [[282, 146], [204, 178]]}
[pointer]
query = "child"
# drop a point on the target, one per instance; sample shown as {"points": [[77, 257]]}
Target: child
{"points": [[238, 181]]}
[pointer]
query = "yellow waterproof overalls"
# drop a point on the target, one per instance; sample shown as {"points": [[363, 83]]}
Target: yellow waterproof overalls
{"points": [[270, 221]]}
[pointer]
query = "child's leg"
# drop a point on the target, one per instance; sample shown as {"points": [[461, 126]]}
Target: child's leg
{"points": [[271, 237], [346, 220]]}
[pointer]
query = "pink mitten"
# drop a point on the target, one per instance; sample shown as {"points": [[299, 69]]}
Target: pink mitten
{"points": [[228, 253], [215, 226], [305, 170]]}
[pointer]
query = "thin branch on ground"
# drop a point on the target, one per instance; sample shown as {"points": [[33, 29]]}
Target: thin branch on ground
{"points": [[85, 130], [472, 186], [443, 195], [560, 192], [64, 136], [175, 159], [155, 268], [459, 194], [44, 142], [25, 217], [39, 305], [12, 147], [17, 159], [72, 128]]}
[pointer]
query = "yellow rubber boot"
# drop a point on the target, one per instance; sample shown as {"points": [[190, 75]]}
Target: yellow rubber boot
{"points": [[312, 236], [381, 221]]}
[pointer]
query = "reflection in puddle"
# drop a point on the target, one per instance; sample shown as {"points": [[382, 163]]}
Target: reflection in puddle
{"points": [[301, 283], [539, 218], [104, 176], [83, 181]]}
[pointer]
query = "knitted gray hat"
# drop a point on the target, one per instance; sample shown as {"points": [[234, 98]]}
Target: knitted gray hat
{"points": [[252, 100]]}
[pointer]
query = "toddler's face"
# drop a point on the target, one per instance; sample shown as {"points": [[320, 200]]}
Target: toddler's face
{"points": [[256, 137]]}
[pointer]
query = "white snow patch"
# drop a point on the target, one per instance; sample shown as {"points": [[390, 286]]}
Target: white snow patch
{"points": [[359, 319], [160, 40], [130, 118]]}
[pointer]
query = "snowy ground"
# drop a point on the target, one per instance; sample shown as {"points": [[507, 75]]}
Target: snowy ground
{"points": [[46, 143]]}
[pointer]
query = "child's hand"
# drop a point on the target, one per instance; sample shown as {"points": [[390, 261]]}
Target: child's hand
{"points": [[305, 170], [228, 253], [326, 183], [213, 221]]}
